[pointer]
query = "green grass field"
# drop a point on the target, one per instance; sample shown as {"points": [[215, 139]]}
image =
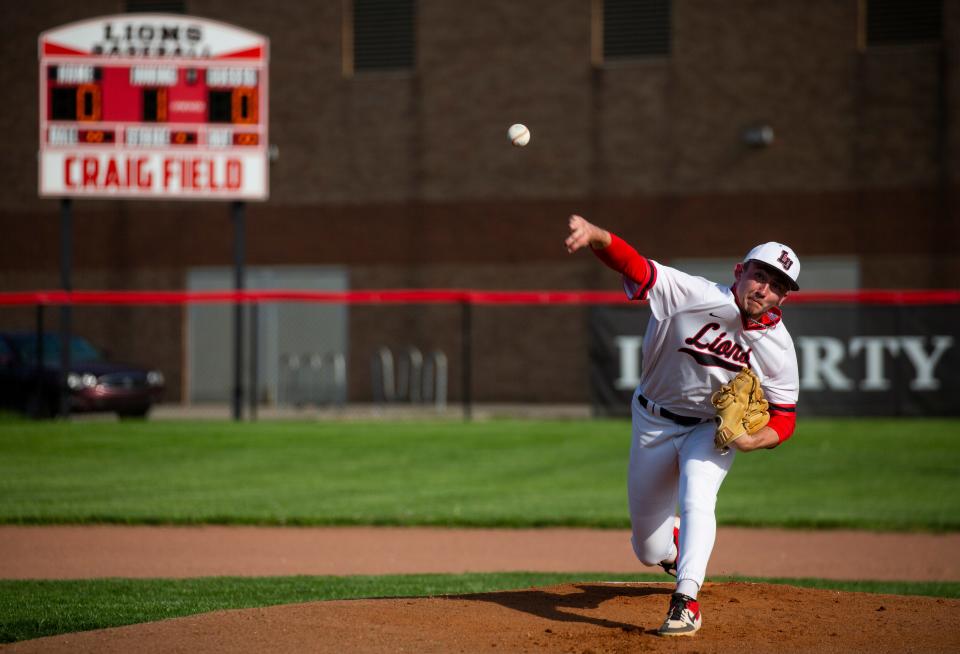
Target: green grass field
{"points": [[868, 474], [865, 474]]}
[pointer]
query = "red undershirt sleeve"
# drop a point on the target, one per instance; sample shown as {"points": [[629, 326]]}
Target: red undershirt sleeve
{"points": [[782, 423], [620, 256]]}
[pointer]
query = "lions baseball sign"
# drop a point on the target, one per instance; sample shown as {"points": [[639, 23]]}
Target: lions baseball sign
{"points": [[153, 106]]}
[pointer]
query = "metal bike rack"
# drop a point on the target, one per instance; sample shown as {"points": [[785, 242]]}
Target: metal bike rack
{"points": [[410, 377], [332, 379], [290, 365], [409, 370], [382, 376], [435, 379], [313, 378]]}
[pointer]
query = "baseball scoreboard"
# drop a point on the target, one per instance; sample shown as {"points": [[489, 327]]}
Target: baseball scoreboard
{"points": [[153, 106]]}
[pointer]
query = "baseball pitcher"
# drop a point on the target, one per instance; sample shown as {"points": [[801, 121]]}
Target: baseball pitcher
{"points": [[719, 377]]}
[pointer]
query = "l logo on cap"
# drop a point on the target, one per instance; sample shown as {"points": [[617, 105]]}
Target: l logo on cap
{"points": [[785, 260]]}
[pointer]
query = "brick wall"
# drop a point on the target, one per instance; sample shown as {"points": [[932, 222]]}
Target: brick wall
{"points": [[408, 179]]}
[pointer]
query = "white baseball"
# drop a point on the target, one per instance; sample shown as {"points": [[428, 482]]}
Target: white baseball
{"points": [[519, 135]]}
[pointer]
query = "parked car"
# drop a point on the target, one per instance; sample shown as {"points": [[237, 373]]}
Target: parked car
{"points": [[94, 383]]}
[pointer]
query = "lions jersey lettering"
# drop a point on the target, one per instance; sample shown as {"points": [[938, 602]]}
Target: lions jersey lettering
{"points": [[722, 351]]}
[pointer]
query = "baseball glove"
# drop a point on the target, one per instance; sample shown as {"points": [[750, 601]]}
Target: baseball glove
{"points": [[740, 407]]}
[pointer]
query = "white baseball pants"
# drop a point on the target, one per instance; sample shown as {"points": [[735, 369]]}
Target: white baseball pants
{"points": [[673, 465]]}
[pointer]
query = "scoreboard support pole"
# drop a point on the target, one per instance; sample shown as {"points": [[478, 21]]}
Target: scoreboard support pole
{"points": [[237, 212], [253, 393], [66, 311], [41, 401], [466, 358]]}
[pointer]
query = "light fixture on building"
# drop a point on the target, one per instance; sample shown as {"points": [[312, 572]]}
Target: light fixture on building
{"points": [[757, 136]]}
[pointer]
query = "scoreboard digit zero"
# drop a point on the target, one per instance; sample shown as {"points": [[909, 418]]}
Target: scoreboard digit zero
{"points": [[153, 106]]}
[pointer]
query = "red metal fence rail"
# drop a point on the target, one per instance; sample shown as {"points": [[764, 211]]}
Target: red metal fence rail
{"points": [[432, 296]]}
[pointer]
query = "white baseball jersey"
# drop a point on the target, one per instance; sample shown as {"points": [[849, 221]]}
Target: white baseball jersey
{"points": [[698, 339]]}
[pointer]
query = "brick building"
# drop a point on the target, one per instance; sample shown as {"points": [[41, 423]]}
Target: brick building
{"points": [[403, 178]]}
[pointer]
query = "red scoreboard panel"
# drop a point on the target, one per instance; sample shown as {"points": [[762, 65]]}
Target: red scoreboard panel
{"points": [[153, 106]]}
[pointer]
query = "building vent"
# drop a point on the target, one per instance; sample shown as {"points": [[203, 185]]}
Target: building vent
{"points": [[384, 34], [636, 28], [902, 22]]}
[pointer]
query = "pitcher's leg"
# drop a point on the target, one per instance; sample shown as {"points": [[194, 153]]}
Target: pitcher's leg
{"points": [[652, 491], [702, 471]]}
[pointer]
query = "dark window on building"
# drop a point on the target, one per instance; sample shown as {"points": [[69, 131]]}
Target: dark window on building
{"points": [[384, 34], [636, 28], [157, 6], [901, 22]]}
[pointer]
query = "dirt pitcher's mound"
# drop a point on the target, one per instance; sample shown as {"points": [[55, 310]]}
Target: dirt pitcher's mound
{"points": [[587, 617]]}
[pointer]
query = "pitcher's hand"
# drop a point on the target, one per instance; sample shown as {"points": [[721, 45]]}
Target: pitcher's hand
{"points": [[584, 233]]}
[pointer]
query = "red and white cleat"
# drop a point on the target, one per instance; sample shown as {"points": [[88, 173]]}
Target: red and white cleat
{"points": [[683, 618]]}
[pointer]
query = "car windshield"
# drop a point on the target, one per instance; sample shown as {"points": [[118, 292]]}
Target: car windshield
{"points": [[81, 351]]}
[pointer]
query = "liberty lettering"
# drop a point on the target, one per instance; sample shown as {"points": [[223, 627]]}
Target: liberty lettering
{"points": [[824, 361], [629, 348]]}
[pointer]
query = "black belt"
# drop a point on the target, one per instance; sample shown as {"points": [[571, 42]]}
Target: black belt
{"points": [[685, 421]]}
